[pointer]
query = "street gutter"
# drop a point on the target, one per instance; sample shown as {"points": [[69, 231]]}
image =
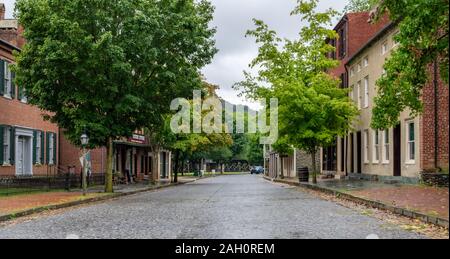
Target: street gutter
{"points": [[441, 222]]}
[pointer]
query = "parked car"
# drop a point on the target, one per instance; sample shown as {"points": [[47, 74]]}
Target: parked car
{"points": [[257, 170]]}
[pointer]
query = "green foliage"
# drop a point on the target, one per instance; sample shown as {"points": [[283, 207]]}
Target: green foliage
{"points": [[355, 6], [111, 66], [313, 110], [423, 38]]}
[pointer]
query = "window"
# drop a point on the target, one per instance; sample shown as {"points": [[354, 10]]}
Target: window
{"points": [[51, 148], [376, 146], [366, 62], [366, 146], [352, 72], [386, 146], [8, 89], [366, 92], [6, 149], [359, 67], [384, 48], [38, 150], [411, 141], [342, 43], [359, 95]]}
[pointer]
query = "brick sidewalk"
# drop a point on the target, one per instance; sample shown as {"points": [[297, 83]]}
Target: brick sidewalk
{"points": [[427, 200], [18, 203], [10, 205]]}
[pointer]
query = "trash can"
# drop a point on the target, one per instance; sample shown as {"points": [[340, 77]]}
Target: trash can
{"points": [[303, 174]]}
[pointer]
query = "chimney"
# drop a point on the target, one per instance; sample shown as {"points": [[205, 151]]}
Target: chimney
{"points": [[2, 11]]}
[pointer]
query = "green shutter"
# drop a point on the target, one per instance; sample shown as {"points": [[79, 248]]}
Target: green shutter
{"points": [[42, 147], [13, 145], [1, 144], [13, 85], [34, 146], [54, 149], [47, 148], [2, 77]]}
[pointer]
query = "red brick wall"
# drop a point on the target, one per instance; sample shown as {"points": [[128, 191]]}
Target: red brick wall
{"points": [[70, 156], [359, 32], [15, 113], [428, 126]]}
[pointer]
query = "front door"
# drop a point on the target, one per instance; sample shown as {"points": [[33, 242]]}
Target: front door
{"points": [[359, 152], [397, 151]]}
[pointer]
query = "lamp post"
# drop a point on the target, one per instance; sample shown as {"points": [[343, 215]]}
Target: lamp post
{"points": [[84, 142]]}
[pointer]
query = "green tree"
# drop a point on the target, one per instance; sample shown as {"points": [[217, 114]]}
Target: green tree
{"points": [[255, 151], [423, 40], [284, 149], [111, 66], [355, 6], [313, 110]]}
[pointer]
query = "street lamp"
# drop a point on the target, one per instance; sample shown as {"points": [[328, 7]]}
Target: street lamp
{"points": [[84, 142]]}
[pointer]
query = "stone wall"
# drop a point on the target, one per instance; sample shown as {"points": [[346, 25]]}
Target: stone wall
{"points": [[435, 179]]}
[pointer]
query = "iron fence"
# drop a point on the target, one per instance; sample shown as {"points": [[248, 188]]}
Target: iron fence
{"points": [[62, 181]]}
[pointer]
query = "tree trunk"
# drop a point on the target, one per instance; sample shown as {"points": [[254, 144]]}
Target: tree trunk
{"points": [[314, 165], [109, 167], [177, 165]]}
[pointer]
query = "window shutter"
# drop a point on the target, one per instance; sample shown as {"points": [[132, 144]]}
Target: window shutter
{"points": [[2, 77], [42, 147], [34, 146], [1, 144], [47, 149], [54, 148], [13, 85], [13, 145]]}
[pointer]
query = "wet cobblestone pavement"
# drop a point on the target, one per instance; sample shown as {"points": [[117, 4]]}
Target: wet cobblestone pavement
{"points": [[221, 207]]}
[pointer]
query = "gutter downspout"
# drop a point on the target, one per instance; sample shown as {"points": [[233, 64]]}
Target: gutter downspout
{"points": [[346, 137]]}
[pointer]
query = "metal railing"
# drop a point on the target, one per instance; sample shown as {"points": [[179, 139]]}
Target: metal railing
{"points": [[59, 180]]}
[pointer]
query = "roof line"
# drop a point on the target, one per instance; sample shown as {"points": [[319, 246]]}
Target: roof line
{"points": [[4, 42]]}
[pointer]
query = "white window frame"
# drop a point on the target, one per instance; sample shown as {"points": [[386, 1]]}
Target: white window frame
{"points": [[384, 48], [376, 147], [352, 72], [366, 147], [366, 61], [386, 147], [359, 66], [6, 149], [38, 147], [366, 92], [410, 143], [359, 100], [51, 143], [8, 86]]}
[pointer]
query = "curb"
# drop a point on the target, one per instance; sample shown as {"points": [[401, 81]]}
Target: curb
{"points": [[441, 222], [29, 212]]}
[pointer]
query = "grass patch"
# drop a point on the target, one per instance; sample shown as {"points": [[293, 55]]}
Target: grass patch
{"points": [[18, 191]]}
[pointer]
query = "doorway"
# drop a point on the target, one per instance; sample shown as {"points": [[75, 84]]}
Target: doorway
{"points": [[398, 151], [23, 154], [359, 152], [351, 142]]}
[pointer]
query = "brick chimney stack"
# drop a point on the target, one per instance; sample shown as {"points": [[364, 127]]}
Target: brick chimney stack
{"points": [[2, 11]]}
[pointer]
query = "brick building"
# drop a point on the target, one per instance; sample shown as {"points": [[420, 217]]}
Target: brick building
{"points": [[417, 144], [354, 31], [29, 145]]}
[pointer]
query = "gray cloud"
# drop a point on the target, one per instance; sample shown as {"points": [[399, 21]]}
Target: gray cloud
{"points": [[232, 19]]}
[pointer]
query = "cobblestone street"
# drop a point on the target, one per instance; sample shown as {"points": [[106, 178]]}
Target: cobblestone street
{"points": [[221, 207]]}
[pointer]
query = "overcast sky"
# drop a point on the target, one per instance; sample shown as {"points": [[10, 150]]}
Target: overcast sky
{"points": [[232, 19]]}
